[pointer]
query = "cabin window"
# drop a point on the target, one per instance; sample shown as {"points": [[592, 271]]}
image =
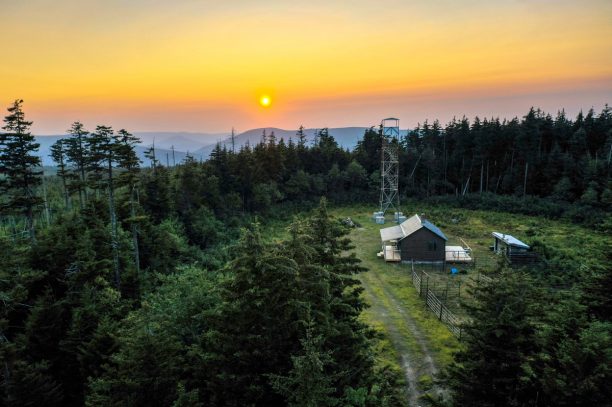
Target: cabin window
{"points": [[432, 246]]}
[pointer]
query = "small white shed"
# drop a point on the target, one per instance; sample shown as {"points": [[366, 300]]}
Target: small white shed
{"points": [[508, 244]]}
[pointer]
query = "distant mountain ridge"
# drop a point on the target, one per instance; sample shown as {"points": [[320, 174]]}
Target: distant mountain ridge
{"points": [[180, 140], [200, 145], [164, 155], [347, 137]]}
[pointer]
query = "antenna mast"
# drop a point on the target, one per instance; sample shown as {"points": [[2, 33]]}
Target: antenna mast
{"points": [[389, 166]]}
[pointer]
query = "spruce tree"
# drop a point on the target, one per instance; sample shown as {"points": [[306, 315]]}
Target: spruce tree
{"points": [[102, 145], [302, 148], [19, 166], [313, 279], [259, 324], [492, 368], [77, 155], [301, 136], [17, 281], [572, 366], [150, 154], [58, 154], [308, 384], [158, 194], [348, 338], [129, 162]]}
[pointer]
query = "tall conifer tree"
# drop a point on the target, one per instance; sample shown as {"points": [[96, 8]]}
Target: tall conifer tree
{"points": [[129, 162], [19, 166], [58, 154], [77, 156], [492, 368], [103, 156]]}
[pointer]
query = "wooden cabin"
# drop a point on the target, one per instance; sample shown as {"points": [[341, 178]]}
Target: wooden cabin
{"points": [[415, 239]]}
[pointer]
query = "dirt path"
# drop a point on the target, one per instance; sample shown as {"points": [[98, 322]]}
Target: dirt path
{"points": [[415, 356], [428, 361], [414, 340], [400, 345]]}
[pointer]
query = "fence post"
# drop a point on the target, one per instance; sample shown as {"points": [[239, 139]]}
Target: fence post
{"points": [[421, 286], [446, 292], [441, 309]]}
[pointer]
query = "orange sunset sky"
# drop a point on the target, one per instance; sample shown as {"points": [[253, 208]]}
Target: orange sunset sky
{"points": [[189, 65]]}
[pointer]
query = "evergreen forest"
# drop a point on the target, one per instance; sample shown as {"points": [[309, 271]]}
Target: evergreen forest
{"points": [[229, 282]]}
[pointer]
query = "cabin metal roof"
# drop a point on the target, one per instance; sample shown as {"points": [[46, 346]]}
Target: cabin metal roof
{"points": [[510, 240], [392, 233], [408, 227], [427, 224]]}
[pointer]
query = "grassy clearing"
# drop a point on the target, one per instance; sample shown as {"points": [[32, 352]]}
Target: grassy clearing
{"points": [[581, 246], [412, 340], [585, 246], [383, 278]]}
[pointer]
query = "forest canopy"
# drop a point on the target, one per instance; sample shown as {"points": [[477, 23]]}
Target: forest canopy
{"points": [[124, 285]]}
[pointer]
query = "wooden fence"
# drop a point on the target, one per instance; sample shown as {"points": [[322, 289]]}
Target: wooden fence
{"points": [[416, 280], [435, 304], [438, 303]]}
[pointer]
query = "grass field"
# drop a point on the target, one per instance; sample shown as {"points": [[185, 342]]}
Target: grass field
{"points": [[413, 340]]}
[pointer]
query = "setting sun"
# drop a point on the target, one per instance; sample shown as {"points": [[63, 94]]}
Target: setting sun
{"points": [[155, 59], [169, 141], [265, 101]]}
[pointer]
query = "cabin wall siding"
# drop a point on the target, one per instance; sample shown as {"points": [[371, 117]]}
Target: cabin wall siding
{"points": [[416, 246]]}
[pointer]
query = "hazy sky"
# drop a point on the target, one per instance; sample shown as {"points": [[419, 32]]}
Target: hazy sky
{"points": [[202, 65]]}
